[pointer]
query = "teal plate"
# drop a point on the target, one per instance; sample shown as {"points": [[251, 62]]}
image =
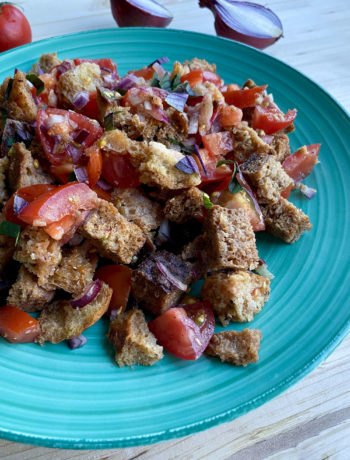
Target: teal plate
{"points": [[80, 399]]}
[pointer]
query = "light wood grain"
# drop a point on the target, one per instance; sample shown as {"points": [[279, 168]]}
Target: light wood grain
{"points": [[312, 419]]}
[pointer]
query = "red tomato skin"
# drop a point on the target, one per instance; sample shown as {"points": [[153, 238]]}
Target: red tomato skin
{"points": [[230, 116], [243, 98], [17, 326], [270, 119], [118, 277], [146, 72], [117, 170], [179, 334], [218, 143], [300, 164], [103, 194], [15, 28], [194, 77]]}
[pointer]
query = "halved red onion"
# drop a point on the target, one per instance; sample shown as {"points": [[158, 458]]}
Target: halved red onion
{"points": [[129, 81], [170, 277], [77, 342], [244, 184], [80, 136], [263, 271], [74, 153], [177, 100], [103, 185], [89, 295], [134, 13], [80, 174], [19, 204], [80, 99]]}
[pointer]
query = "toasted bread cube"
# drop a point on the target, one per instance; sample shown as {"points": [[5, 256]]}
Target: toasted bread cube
{"points": [[246, 142], [4, 164], [187, 205], [156, 166], [280, 147], [267, 177], [113, 236], [7, 248], [200, 64], [152, 289], [136, 207], [285, 220], [236, 296], [20, 103], [237, 347], [39, 253], [123, 119], [26, 294], [76, 269], [60, 321], [23, 172], [47, 62], [231, 239], [134, 343]]}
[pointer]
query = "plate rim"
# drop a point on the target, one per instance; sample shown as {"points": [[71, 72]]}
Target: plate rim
{"points": [[231, 414]]}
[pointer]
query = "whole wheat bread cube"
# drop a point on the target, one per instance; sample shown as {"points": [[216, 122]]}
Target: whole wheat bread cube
{"points": [[280, 147], [136, 207], [267, 177], [285, 220], [187, 205], [152, 289], [20, 103], [26, 294], [236, 296], [134, 343], [113, 236], [231, 239], [246, 142], [39, 253], [76, 269], [237, 347], [4, 164], [23, 171], [60, 321], [46, 63]]}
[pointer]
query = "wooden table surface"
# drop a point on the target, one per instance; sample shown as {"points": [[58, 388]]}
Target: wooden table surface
{"points": [[312, 419]]}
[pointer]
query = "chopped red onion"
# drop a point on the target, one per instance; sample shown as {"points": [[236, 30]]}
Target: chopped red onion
{"points": [[77, 342], [36, 100], [267, 139], [177, 100], [106, 69], [103, 185], [163, 232], [187, 165], [193, 123], [159, 69], [196, 148], [54, 119], [263, 271], [129, 81], [80, 174], [39, 69], [161, 60], [80, 136], [80, 99], [74, 153], [15, 131], [159, 114], [64, 67], [244, 184], [89, 295], [170, 277], [19, 204], [305, 190]]}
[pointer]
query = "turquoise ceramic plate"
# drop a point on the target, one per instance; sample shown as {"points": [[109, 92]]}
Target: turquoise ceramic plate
{"points": [[59, 398]]}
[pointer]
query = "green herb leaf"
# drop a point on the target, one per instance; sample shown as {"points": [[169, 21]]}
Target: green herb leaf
{"points": [[165, 82], [176, 81], [185, 88], [189, 150], [224, 162], [8, 89], [155, 81], [72, 177], [234, 186], [4, 116], [37, 82], [206, 200], [108, 122], [121, 91], [10, 229]]}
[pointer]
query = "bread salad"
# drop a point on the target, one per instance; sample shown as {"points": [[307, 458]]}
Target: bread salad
{"points": [[118, 193]]}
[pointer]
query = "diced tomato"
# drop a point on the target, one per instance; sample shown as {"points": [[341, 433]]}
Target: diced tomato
{"points": [[218, 143], [146, 72], [65, 200], [104, 62], [61, 172], [50, 82], [198, 76], [270, 119], [94, 166], [28, 194], [286, 192], [17, 326], [243, 98], [300, 164], [91, 110], [231, 115], [230, 87], [214, 174], [118, 277], [118, 171], [212, 77], [103, 194], [186, 330], [54, 124], [57, 229], [140, 94]]}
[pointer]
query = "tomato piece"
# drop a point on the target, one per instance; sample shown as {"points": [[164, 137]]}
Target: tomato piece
{"points": [[91, 110], [14, 26], [57, 229], [270, 119], [212, 77], [146, 72], [214, 174], [28, 194], [118, 171], [49, 81], [140, 94], [103, 194], [94, 166], [70, 199], [300, 164], [231, 115], [103, 63], [230, 87], [243, 98], [193, 78], [186, 330], [286, 192], [218, 143], [17, 326], [61, 172], [118, 277], [54, 126]]}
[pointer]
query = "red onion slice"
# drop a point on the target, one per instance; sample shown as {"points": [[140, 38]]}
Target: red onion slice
{"points": [[305, 190], [244, 184], [159, 69], [80, 99], [177, 100], [64, 67], [77, 342], [89, 295], [19, 204], [129, 81], [263, 271], [103, 185], [80, 136], [196, 148], [170, 277], [74, 153], [80, 174], [187, 165]]}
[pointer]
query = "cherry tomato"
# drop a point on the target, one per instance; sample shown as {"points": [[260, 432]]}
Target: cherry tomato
{"points": [[243, 98], [94, 166], [270, 119], [218, 143], [118, 277], [300, 164], [231, 115], [17, 326], [14, 26], [65, 200], [118, 171], [186, 330]]}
